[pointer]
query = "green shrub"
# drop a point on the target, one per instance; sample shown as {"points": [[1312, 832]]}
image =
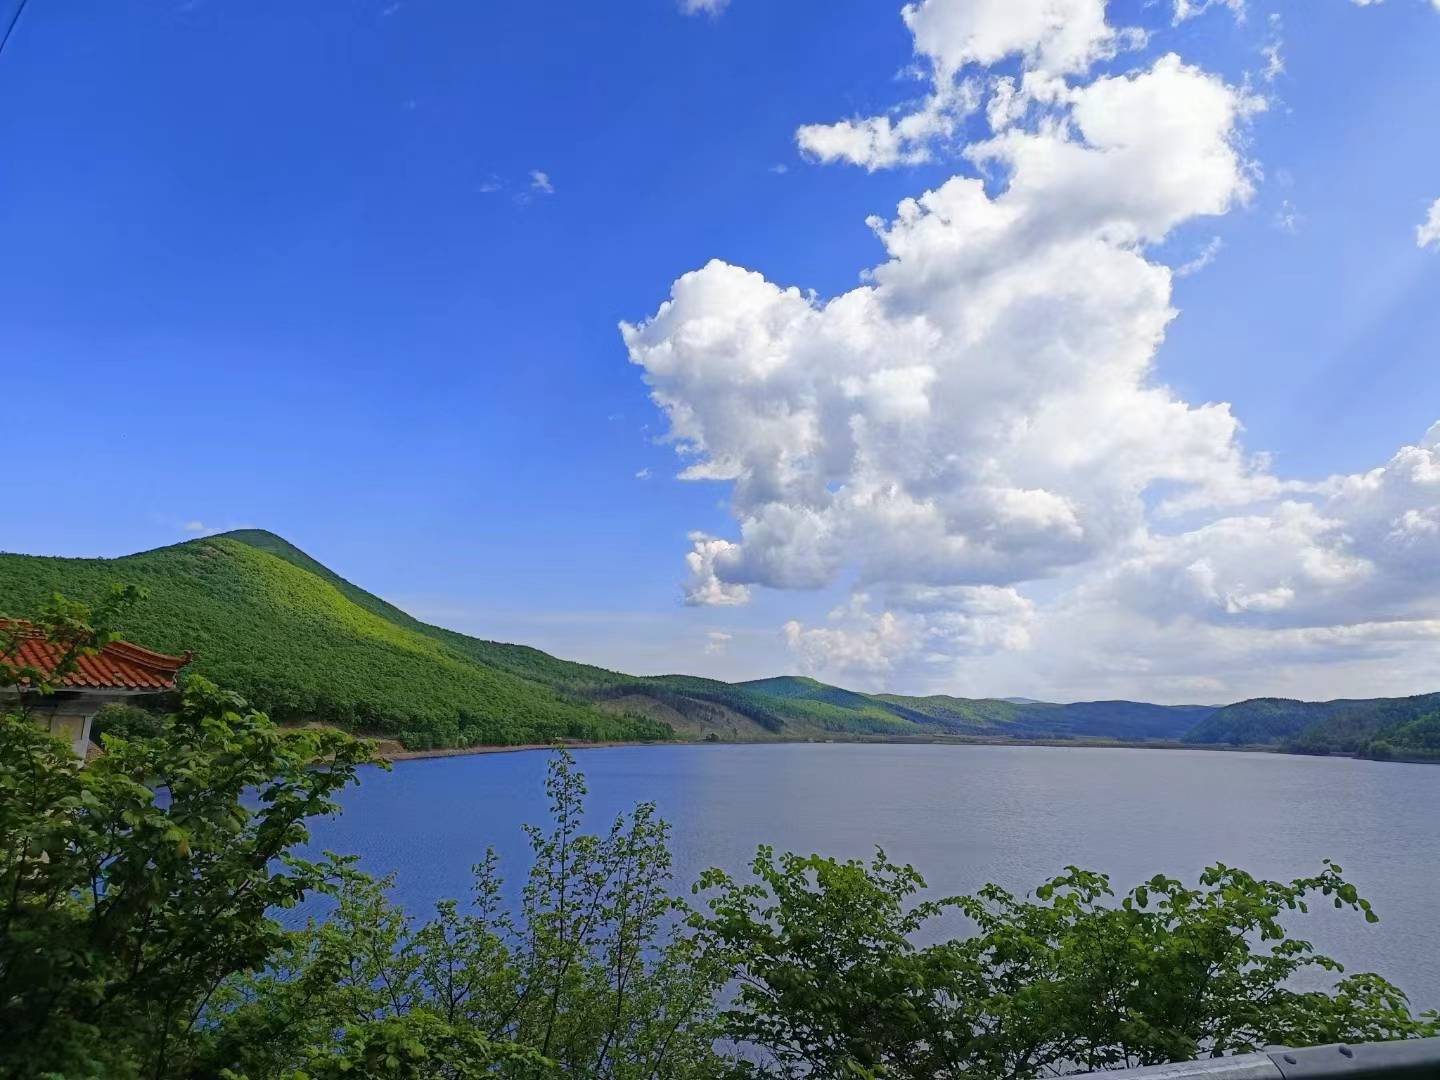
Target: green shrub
{"points": [[125, 721]]}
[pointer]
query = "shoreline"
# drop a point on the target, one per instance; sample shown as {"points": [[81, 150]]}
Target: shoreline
{"points": [[392, 755], [393, 752], [390, 750], [523, 748]]}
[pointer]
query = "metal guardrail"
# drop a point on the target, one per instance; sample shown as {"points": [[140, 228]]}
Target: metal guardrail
{"points": [[1406, 1060]]}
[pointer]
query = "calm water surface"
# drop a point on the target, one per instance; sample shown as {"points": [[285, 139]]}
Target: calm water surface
{"points": [[963, 815]]}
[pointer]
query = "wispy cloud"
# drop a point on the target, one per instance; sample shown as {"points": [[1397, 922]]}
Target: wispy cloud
{"points": [[1188, 9], [643, 474], [1427, 234], [196, 527], [716, 642], [1274, 62], [1204, 258], [540, 181], [703, 7]]}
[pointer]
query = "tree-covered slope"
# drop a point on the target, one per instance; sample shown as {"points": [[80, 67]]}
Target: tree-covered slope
{"points": [[1406, 726], [1128, 720], [300, 643], [1260, 721], [306, 644], [1418, 738]]}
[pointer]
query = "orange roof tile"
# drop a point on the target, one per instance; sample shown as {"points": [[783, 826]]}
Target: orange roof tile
{"points": [[120, 665]]}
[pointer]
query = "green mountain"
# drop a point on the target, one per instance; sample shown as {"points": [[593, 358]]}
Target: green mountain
{"points": [[1261, 721], [305, 645], [299, 640], [1408, 727]]}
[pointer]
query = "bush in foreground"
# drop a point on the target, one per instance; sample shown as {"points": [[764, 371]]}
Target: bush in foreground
{"points": [[831, 984]]}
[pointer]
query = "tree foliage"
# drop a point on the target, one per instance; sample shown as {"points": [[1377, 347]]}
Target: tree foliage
{"points": [[591, 976], [131, 889], [832, 984], [125, 721], [1407, 727]]}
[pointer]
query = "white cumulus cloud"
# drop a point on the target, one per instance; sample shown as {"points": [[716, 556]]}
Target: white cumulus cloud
{"points": [[1427, 233], [1051, 38], [975, 442], [704, 587]]}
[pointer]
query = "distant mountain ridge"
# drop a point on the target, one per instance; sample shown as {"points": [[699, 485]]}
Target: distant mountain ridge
{"points": [[299, 640], [1376, 727]]}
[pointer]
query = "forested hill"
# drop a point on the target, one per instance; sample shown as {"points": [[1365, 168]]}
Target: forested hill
{"points": [[1375, 727], [295, 640], [266, 619]]}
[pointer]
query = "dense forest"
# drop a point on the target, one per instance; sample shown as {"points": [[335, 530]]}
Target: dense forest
{"points": [[1381, 728], [291, 639], [305, 644]]}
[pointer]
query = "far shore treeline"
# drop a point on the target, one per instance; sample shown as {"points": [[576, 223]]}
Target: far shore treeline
{"points": [[308, 646]]}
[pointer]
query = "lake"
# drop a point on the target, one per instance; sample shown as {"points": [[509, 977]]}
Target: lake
{"points": [[963, 815]]}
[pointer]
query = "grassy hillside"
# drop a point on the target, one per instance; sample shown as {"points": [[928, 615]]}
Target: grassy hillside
{"points": [[303, 642], [303, 645]]}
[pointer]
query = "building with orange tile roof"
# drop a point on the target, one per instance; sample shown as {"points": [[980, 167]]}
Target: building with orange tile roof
{"points": [[118, 672]]}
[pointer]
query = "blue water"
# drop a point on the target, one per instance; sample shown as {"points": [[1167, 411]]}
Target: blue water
{"points": [[963, 815]]}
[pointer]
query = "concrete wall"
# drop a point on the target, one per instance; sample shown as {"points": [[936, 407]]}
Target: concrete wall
{"points": [[71, 720], [68, 714]]}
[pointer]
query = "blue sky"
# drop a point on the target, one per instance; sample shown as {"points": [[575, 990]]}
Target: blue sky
{"points": [[353, 272]]}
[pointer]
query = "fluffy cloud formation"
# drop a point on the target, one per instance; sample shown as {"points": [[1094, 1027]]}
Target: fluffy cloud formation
{"points": [[1356, 550], [1051, 38], [917, 625], [704, 587], [981, 412], [980, 421], [877, 142], [1427, 233]]}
